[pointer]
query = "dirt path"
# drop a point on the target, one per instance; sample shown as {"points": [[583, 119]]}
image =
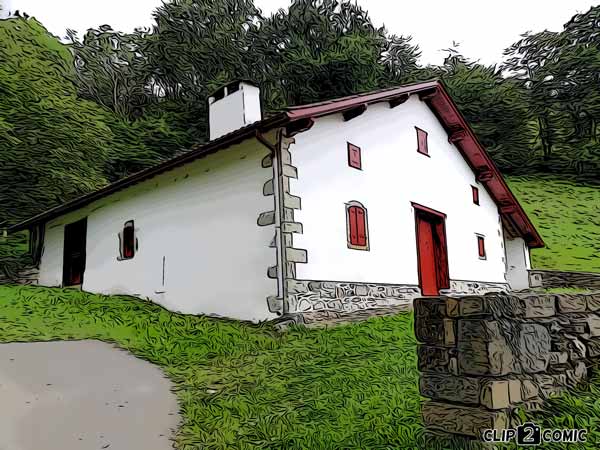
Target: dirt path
{"points": [[82, 395]]}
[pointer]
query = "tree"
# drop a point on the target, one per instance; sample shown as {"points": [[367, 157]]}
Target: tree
{"points": [[323, 49], [495, 107], [112, 70], [530, 61], [54, 145]]}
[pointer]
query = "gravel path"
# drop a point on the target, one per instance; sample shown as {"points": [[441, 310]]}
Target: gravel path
{"points": [[82, 395]]}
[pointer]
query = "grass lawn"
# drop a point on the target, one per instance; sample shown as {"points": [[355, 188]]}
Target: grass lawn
{"points": [[246, 386], [567, 215]]}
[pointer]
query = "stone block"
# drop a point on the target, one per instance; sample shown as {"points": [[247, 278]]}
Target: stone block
{"points": [[319, 306], [433, 359], [436, 332], [430, 308], [268, 188], [361, 289], [291, 227], [578, 373], [593, 348], [453, 365], [275, 304], [557, 358], [305, 305], [593, 301], [483, 349], [529, 390], [495, 394], [272, 272], [464, 420], [514, 391], [292, 201], [593, 323], [290, 171], [536, 306], [550, 385], [296, 255], [335, 305], [286, 156], [467, 306], [267, 161], [296, 287], [450, 388], [266, 218], [288, 214], [533, 347], [571, 303]]}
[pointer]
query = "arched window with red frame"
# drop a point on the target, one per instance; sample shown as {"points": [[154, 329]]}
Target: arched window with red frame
{"points": [[357, 226]]}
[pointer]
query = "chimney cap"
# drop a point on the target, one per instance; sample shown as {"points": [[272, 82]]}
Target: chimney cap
{"points": [[232, 86]]}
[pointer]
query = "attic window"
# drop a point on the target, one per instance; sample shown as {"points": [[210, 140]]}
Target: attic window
{"points": [[422, 141], [354, 156], [475, 191], [128, 241]]}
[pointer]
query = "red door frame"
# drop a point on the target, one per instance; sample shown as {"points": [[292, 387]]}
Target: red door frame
{"points": [[438, 220]]}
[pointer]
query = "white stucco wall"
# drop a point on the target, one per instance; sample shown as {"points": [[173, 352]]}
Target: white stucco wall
{"points": [[393, 175], [202, 218], [517, 263]]}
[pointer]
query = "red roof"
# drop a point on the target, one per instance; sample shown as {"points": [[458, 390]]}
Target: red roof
{"points": [[298, 118]]}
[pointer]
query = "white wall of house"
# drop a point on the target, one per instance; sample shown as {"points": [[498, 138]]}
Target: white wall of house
{"points": [[517, 263], [202, 219], [393, 175]]}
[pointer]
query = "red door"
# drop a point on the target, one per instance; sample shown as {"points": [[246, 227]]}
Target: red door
{"points": [[431, 251]]}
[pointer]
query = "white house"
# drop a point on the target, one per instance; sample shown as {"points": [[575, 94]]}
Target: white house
{"points": [[354, 203]]}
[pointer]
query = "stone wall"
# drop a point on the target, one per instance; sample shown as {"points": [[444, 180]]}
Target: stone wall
{"points": [[558, 279], [28, 275], [482, 358], [306, 296]]}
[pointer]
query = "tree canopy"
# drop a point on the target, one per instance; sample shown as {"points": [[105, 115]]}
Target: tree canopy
{"points": [[76, 115]]}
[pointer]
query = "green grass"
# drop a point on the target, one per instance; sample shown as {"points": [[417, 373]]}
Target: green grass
{"points": [[246, 386], [577, 409], [567, 215]]}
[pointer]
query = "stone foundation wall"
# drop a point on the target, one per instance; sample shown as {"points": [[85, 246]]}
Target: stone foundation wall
{"points": [[559, 279], [313, 296], [482, 358], [28, 275]]}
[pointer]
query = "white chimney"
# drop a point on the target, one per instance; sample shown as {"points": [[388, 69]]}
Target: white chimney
{"points": [[232, 107], [5, 9]]}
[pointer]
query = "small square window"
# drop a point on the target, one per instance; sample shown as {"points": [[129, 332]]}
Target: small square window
{"points": [[475, 194], [422, 146], [481, 247], [354, 156]]}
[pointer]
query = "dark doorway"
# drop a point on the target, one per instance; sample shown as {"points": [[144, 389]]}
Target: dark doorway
{"points": [[431, 250], [74, 256]]}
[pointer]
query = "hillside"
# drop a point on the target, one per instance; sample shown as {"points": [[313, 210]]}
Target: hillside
{"points": [[567, 214]]}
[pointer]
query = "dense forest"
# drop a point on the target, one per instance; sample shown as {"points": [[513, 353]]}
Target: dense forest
{"points": [[80, 113]]}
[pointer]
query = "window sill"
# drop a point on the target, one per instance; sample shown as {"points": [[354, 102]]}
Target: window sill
{"points": [[357, 247]]}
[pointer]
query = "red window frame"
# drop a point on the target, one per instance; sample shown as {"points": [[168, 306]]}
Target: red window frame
{"points": [[422, 145], [481, 247], [354, 156], [357, 227], [128, 236], [475, 191]]}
